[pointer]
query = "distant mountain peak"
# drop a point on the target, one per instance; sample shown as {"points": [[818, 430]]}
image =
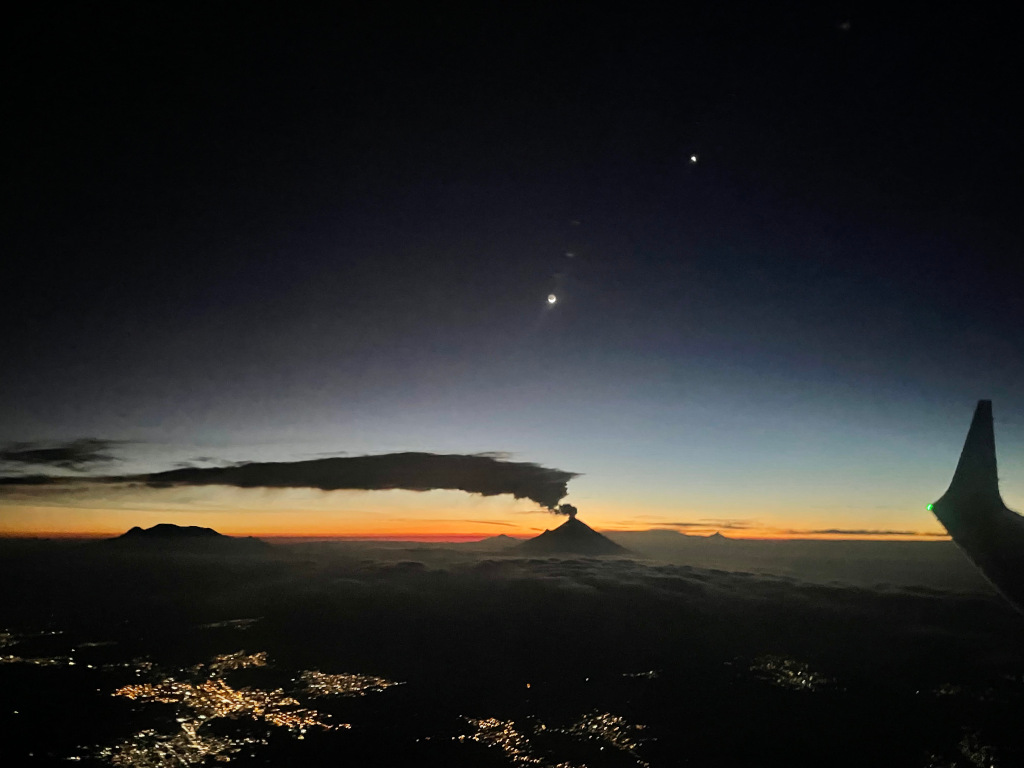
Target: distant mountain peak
{"points": [[572, 537], [500, 542], [717, 535]]}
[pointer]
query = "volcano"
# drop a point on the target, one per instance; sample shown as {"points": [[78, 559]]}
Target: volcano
{"points": [[573, 537]]}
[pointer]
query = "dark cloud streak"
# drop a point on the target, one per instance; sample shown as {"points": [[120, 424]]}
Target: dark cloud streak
{"points": [[21, 480], [77, 455]]}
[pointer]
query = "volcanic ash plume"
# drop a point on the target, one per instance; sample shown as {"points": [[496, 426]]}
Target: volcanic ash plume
{"points": [[475, 473], [565, 509]]}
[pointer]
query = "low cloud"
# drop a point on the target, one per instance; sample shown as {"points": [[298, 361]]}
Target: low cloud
{"points": [[866, 532], [714, 523], [197, 461], [743, 525]]}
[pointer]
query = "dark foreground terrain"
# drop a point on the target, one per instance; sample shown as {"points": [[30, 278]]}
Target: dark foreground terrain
{"points": [[324, 654]]}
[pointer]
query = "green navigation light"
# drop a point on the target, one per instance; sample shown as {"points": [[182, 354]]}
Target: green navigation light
{"points": [[931, 507]]}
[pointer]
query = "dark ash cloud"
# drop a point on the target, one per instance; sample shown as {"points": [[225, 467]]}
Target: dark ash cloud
{"points": [[406, 471], [77, 455]]}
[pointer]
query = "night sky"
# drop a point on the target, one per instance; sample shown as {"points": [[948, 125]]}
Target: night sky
{"points": [[784, 240]]}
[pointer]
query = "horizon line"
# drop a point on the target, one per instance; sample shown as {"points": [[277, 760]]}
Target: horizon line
{"points": [[469, 537]]}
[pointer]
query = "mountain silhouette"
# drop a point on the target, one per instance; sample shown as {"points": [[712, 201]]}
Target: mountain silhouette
{"points": [[171, 531], [501, 541], [573, 537], [183, 538]]}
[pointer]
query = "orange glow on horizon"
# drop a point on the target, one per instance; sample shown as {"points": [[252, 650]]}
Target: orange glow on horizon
{"points": [[463, 536], [418, 516]]}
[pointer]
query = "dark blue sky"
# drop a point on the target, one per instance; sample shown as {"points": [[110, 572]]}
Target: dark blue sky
{"points": [[259, 234]]}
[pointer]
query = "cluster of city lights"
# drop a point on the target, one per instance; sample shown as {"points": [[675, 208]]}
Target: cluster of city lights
{"points": [[649, 674], [239, 624], [322, 684], [202, 696], [504, 735], [214, 698], [611, 729], [517, 745], [786, 672], [227, 662], [152, 749]]}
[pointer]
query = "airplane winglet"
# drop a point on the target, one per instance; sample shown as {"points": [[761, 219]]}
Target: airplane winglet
{"points": [[976, 476], [974, 513]]}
